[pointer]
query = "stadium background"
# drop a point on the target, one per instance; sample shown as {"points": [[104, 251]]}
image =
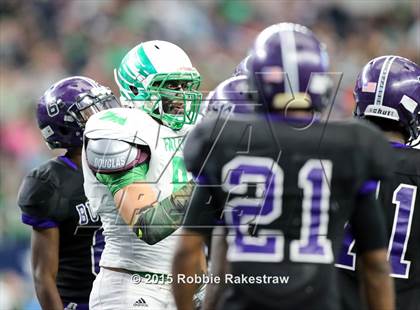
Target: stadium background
{"points": [[44, 41]]}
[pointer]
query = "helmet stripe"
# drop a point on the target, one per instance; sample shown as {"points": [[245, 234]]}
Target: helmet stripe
{"points": [[127, 69], [289, 60], [122, 88], [123, 79], [140, 62], [147, 66], [128, 77], [383, 78]]}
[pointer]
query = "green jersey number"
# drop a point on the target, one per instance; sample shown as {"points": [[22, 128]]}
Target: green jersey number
{"points": [[179, 173]]}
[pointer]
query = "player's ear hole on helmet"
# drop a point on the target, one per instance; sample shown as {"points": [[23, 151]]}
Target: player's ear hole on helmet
{"points": [[60, 103], [134, 90], [63, 130]]}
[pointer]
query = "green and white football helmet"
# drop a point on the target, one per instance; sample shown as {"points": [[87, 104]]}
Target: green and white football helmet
{"points": [[158, 77]]}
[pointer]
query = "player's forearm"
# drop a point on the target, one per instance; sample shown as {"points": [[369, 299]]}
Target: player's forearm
{"points": [[183, 292], [45, 249], [155, 223], [378, 285], [185, 264], [218, 268], [132, 198], [47, 292], [213, 295]]}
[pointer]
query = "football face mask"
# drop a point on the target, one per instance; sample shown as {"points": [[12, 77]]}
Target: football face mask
{"points": [[158, 77], [173, 98], [91, 102]]}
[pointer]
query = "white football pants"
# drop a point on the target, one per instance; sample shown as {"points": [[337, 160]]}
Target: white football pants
{"points": [[114, 290]]}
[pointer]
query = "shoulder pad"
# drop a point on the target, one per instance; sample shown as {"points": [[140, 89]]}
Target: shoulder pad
{"points": [[131, 125], [110, 156]]}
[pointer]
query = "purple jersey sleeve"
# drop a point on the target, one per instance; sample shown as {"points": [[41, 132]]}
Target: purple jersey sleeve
{"points": [[38, 223]]}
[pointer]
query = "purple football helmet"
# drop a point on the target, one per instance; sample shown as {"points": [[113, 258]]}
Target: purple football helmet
{"points": [[232, 94], [65, 107], [243, 67], [288, 68], [388, 88]]}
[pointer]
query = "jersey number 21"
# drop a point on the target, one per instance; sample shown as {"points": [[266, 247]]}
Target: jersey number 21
{"points": [[313, 244]]}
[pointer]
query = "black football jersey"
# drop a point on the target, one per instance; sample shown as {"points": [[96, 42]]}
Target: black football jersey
{"points": [[52, 195], [285, 188], [400, 199]]}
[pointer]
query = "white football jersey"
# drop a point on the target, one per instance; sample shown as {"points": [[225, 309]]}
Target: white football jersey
{"points": [[166, 168]]}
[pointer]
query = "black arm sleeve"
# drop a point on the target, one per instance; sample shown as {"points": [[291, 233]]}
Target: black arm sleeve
{"points": [[368, 224]]}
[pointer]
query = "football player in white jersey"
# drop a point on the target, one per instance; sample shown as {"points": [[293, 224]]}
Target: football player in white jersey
{"points": [[135, 177]]}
